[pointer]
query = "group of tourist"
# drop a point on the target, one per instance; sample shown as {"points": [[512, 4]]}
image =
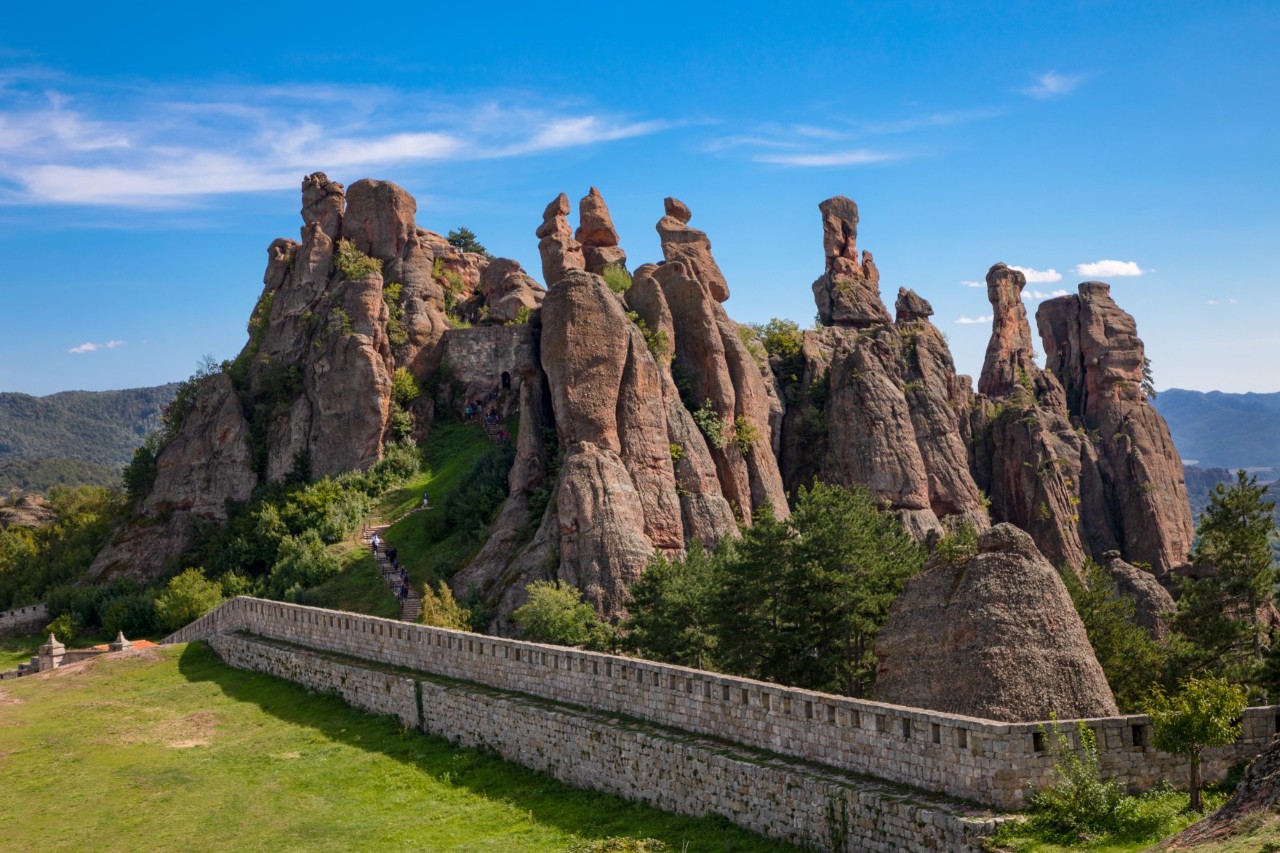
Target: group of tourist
{"points": [[389, 551]]}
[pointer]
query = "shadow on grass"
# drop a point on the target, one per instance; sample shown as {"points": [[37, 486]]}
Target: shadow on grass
{"points": [[588, 814]]}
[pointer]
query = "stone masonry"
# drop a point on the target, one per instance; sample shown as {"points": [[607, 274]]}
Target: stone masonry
{"points": [[800, 803], [24, 620], [984, 761]]}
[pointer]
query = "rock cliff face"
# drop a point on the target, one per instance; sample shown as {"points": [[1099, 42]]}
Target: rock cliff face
{"points": [[1093, 348], [649, 419], [995, 636]]}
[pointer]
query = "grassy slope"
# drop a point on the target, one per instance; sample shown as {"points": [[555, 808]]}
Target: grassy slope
{"points": [[450, 452], [16, 650], [171, 750]]}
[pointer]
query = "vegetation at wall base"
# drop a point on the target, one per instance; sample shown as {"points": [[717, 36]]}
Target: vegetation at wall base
{"points": [[169, 749]]}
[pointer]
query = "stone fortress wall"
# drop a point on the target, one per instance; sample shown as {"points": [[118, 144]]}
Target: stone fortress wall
{"points": [[24, 620], [981, 760]]}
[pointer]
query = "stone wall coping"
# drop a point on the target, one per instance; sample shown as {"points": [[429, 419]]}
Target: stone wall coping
{"points": [[977, 725]]}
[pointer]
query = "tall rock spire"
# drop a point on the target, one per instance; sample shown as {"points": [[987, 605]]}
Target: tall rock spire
{"points": [[848, 293], [596, 234]]}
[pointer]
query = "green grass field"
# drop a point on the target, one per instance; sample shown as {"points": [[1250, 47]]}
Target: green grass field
{"points": [[170, 750]]}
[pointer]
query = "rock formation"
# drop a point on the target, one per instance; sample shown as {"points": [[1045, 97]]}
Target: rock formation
{"points": [[994, 636], [878, 404], [597, 236], [1093, 348], [848, 293], [1153, 605], [208, 463], [26, 511], [650, 420], [560, 252]]}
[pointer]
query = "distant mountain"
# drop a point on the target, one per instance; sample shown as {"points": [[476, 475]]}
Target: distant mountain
{"points": [[75, 436], [1218, 430]]}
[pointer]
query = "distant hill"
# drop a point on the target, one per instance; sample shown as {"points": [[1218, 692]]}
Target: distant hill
{"points": [[74, 437], [1218, 430]]}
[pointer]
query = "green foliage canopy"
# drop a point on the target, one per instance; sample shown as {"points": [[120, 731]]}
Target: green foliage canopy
{"points": [[186, 598], [1205, 712], [556, 613]]}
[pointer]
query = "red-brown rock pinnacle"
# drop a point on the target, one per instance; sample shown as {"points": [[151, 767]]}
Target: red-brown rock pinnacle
{"points": [[848, 292]]}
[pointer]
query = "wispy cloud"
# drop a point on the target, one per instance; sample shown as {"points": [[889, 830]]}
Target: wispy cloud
{"points": [[855, 157], [937, 119], [90, 346], [153, 147], [1035, 276], [837, 143], [1051, 85], [973, 321], [1110, 269], [973, 283]]}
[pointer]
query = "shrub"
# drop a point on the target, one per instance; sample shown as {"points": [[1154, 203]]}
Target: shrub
{"points": [[958, 545], [556, 613], [396, 332], [711, 424], [745, 434], [1079, 803], [404, 389], [782, 338], [302, 561], [441, 610], [65, 627], [617, 277], [186, 598], [132, 613], [353, 263]]}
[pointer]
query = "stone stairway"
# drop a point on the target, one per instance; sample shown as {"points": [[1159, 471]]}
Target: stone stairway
{"points": [[410, 607]]}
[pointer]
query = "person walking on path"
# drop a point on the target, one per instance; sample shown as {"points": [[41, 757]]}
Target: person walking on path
{"points": [[374, 542], [426, 501]]}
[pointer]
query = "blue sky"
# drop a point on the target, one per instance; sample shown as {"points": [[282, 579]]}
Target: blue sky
{"points": [[148, 156]]}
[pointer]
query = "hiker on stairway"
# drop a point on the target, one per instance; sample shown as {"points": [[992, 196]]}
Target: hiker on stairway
{"points": [[374, 542]]}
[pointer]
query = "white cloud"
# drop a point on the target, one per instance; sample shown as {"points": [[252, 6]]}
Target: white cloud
{"points": [[1211, 302], [90, 346], [1110, 269], [855, 157], [1034, 295], [940, 119], [971, 321], [1232, 301], [973, 283], [148, 146], [1051, 84], [1035, 276]]}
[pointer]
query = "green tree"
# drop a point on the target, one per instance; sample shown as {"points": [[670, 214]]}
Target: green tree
{"points": [[1131, 659], [464, 240], [1219, 614], [1205, 712], [555, 613], [441, 610], [302, 562], [670, 611], [186, 598], [802, 601], [782, 338]]}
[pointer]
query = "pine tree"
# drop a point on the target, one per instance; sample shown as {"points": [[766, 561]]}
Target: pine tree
{"points": [[1219, 614]]}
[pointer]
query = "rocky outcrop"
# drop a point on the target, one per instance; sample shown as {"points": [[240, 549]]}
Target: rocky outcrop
{"points": [[1038, 469], [721, 376], [26, 511], [596, 234], [1153, 605], [1092, 346], [692, 247], [561, 254], [508, 291], [994, 636], [616, 499], [208, 463], [848, 293], [878, 403], [1009, 361]]}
